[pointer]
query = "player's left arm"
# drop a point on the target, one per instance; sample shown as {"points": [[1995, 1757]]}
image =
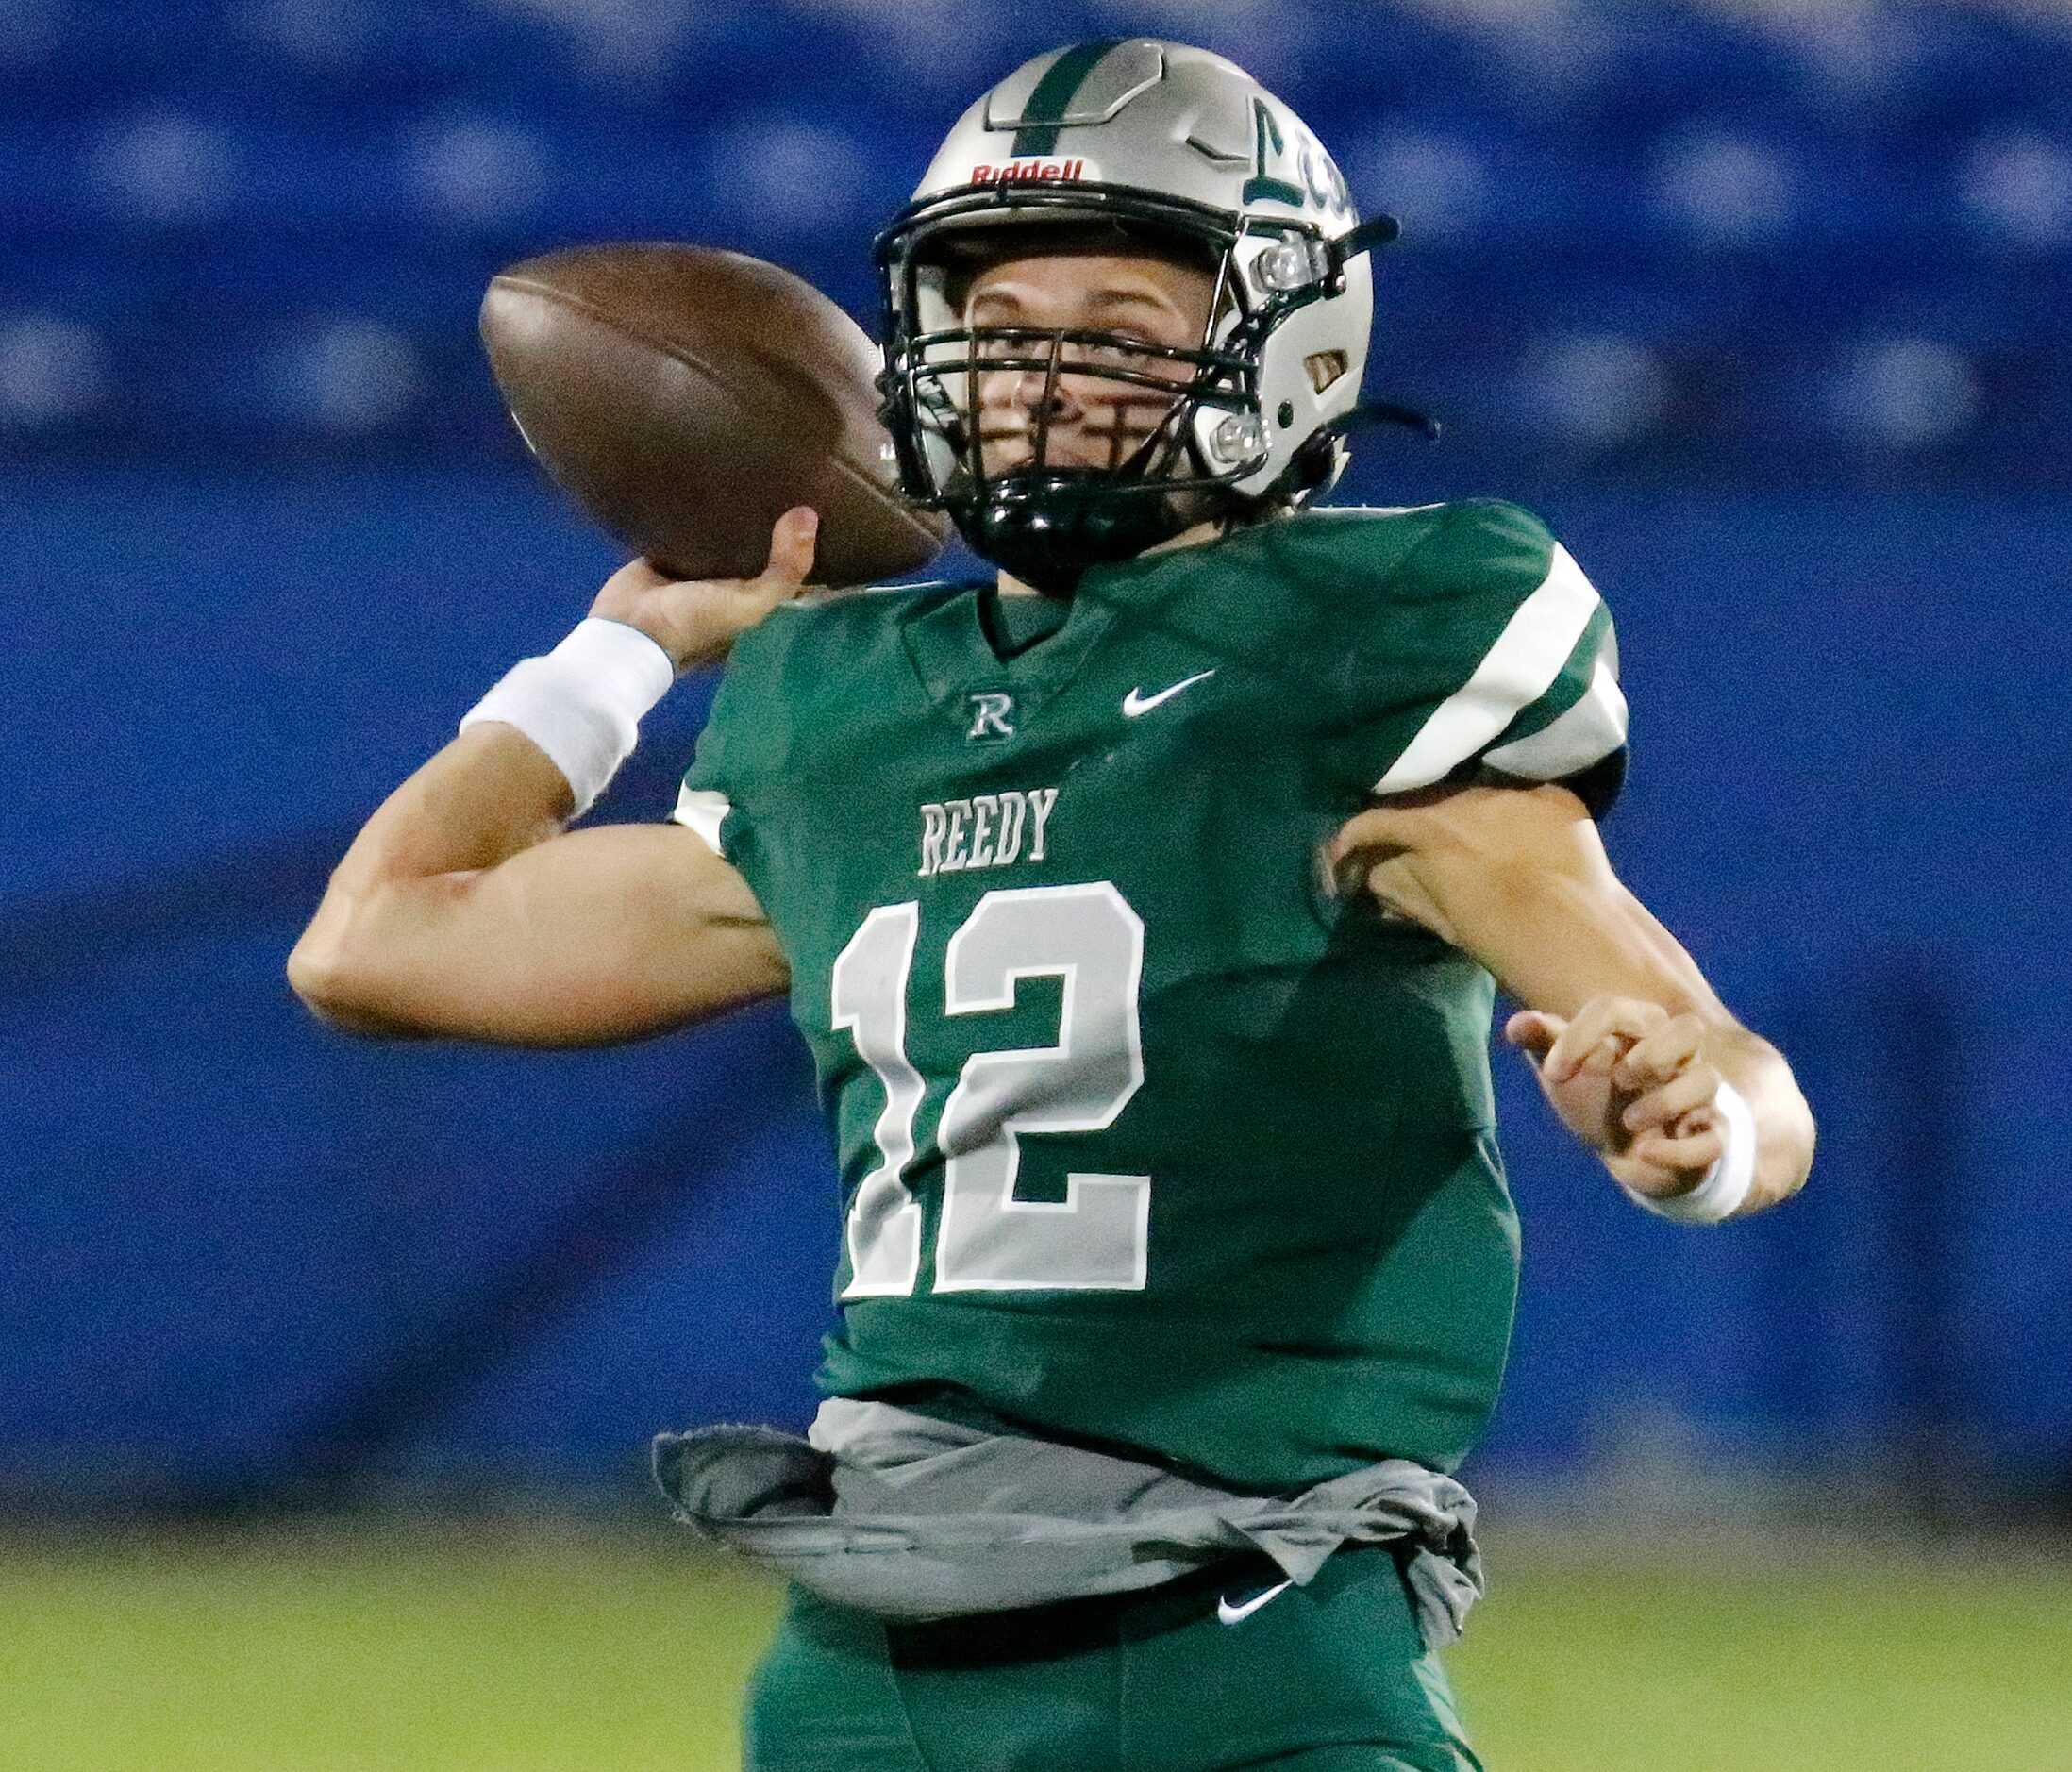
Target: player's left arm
{"points": [[1629, 1042]]}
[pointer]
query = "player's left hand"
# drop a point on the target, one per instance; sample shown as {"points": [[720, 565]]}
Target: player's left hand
{"points": [[1632, 1082]]}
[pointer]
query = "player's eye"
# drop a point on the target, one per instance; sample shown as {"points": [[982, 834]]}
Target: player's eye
{"points": [[1010, 340], [1119, 349]]}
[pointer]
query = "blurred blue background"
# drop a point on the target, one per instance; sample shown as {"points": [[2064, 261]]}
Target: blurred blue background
{"points": [[1762, 307]]}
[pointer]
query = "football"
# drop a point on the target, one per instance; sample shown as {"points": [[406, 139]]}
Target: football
{"points": [[685, 397]]}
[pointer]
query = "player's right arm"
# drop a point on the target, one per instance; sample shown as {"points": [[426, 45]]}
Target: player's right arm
{"points": [[464, 908]]}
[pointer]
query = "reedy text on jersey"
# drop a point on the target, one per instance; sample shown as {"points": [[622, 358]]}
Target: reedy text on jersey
{"points": [[987, 830]]}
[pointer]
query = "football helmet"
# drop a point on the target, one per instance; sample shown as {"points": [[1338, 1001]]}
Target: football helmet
{"points": [[1155, 146]]}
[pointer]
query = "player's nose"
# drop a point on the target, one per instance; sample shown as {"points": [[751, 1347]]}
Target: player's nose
{"points": [[1046, 394]]}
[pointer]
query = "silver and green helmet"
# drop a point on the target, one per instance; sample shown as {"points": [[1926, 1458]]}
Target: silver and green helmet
{"points": [[1180, 149]]}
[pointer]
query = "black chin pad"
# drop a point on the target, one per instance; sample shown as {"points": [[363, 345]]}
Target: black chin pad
{"points": [[1049, 527]]}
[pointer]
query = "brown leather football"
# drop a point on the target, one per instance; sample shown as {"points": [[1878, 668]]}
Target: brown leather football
{"points": [[686, 397]]}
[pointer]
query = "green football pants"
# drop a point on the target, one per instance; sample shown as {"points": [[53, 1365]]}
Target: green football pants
{"points": [[1330, 1678]]}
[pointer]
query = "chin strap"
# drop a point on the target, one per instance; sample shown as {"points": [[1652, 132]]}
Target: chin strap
{"points": [[1376, 230], [1384, 412], [1318, 463]]}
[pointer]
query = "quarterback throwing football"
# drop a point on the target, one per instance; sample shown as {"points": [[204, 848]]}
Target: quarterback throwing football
{"points": [[1143, 909]]}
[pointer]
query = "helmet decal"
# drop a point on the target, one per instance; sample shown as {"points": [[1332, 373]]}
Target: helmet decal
{"points": [[1086, 84]]}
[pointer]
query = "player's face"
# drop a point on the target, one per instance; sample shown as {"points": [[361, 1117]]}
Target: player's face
{"points": [[1085, 419]]}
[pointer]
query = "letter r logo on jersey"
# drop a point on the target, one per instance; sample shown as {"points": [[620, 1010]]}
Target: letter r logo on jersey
{"points": [[992, 715]]}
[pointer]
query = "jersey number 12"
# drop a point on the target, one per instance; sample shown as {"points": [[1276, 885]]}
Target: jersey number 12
{"points": [[1096, 1237]]}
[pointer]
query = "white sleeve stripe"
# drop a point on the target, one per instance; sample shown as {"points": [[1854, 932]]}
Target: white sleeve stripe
{"points": [[1584, 734], [1515, 672], [704, 812]]}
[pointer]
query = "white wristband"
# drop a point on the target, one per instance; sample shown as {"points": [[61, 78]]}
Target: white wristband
{"points": [[1727, 1183], [582, 702]]}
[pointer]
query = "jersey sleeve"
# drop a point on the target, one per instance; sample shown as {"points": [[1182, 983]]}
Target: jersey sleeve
{"points": [[721, 788], [1492, 658]]}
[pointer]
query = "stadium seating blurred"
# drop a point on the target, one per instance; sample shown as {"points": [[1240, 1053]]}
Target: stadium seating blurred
{"points": [[1780, 244], [1763, 304]]}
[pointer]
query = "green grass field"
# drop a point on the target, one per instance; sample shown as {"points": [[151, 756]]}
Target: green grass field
{"points": [[553, 1651]]}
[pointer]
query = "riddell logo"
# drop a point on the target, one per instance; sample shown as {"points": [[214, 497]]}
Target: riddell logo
{"points": [[1016, 170]]}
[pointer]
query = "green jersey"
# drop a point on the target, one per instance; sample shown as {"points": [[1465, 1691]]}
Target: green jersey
{"points": [[1148, 1137]]}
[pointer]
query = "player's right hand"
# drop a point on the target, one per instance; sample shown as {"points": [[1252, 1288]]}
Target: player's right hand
{"points": [[697, 620]]}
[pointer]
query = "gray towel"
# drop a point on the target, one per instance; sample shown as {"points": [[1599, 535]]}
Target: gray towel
{"points": [[911, 1517]]}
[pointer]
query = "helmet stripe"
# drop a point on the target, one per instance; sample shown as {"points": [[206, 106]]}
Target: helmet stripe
{"points": [[1050, 100]]}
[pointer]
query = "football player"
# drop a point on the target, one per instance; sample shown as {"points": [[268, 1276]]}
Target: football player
{"points": [[1143, 909]]}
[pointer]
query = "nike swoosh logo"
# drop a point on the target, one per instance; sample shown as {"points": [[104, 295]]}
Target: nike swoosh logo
{"points": [[1137, 702], [1237, 1615]]}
